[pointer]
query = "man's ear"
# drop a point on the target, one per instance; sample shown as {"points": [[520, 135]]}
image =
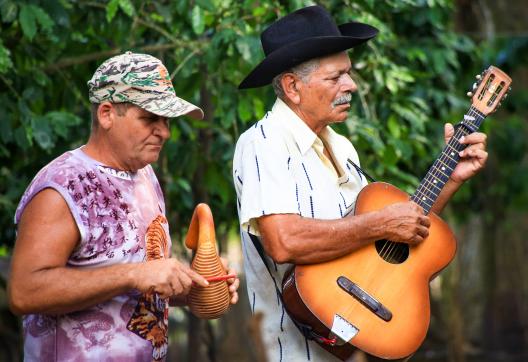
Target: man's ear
{"points": [[289, 82], [106, 115]]}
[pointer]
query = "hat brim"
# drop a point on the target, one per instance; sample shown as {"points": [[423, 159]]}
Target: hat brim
{"points": [[353, 34], [170, 107]]}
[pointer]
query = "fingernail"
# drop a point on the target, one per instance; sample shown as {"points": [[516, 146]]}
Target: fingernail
{"points": [[462, 138]]}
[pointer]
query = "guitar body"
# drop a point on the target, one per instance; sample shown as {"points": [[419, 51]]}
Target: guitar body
{"points": [[313, 296]]}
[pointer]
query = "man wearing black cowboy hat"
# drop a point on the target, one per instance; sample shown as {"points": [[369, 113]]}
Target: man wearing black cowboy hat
{"points": [[297, 180]]}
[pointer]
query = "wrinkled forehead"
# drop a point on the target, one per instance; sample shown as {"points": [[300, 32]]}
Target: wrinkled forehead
{"points": [[338, 62]]}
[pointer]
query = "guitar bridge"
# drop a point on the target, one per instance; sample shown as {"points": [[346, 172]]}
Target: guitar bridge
{"points": [[364, 298]]}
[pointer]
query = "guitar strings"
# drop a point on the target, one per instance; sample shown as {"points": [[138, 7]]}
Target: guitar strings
{"points": [[395, 251], [445, 159], [425, 187], [390, 248]]}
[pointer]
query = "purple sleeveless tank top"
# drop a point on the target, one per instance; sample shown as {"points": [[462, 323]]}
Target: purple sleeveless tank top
{"points": [[121, 219]]}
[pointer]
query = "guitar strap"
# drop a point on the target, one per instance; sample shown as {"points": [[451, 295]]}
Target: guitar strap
{"points": [[360, 170]]}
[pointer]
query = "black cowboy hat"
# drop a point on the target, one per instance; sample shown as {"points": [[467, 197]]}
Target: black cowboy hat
{"points": [[300, 36]]}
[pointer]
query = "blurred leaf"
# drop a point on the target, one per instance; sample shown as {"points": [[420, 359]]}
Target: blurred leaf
{"points": [[42, 132], [62, 121], [258, 108], [4, 251], [244, 110], [6, 132], [5, 58], [111, 9], [394, 126], [27, 20], [197, 20], [389, 156], [208, 5], [8, 9], [244, 49], [127, 7], [43, 18], [21, 138], [184, 184]]}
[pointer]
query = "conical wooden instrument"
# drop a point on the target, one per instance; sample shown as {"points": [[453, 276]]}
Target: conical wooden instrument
{"points": [[212, 301]]}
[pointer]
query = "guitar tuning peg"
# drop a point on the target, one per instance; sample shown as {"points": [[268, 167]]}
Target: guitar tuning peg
{"points": [[469, 94], [509, 88], [475, 86], [505, 95], [478, 76]]}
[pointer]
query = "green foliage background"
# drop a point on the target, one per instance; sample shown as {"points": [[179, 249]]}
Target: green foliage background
{"points": [[412, 78], [48, 50]]}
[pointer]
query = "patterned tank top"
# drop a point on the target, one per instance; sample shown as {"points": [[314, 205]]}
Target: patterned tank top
{"points": [[120, 217]]}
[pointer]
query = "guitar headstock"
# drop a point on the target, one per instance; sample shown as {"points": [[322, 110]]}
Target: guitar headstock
{"points": [[491, 87]]}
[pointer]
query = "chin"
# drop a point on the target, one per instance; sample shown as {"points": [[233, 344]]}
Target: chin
{"points": [[148, 161], [151, 160], [340, 118], [341, 114]]}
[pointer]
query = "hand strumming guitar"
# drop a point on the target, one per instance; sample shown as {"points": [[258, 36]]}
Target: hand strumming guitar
{"points": [[404, 222]]}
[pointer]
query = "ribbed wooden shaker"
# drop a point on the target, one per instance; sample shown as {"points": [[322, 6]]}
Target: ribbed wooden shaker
{"points": [[212, 301]]}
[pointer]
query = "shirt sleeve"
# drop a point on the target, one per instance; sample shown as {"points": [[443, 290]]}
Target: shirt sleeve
{"points": [[265, 182]]}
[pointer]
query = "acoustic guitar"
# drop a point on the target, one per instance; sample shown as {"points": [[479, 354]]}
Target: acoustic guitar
{"points": [[377, 298]]}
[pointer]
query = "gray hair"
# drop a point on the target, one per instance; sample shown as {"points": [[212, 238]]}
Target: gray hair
{"points": [[121, 109], [303, 71]]}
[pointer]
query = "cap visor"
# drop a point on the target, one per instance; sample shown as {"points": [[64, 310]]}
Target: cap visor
{"points": [[172, 107]]}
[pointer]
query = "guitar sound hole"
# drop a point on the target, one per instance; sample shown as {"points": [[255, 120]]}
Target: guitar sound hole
{"points": [[392, 252]]}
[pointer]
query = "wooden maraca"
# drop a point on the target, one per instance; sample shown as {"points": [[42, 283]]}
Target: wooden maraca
{"points": [[212, 301]]}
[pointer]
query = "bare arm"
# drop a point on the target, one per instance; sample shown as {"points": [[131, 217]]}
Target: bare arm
{"points": [[290, 238], [40, 281]]}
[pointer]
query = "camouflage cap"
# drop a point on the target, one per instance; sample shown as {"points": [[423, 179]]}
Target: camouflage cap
{"points": [[140, 79]]}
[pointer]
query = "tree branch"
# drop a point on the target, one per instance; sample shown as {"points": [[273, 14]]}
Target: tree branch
{"points": [[85, 58]]}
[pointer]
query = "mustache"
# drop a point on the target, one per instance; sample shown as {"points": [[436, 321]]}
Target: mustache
{"points": [[344, 99]]}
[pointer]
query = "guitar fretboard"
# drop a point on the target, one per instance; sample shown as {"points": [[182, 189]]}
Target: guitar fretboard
{"points": [[432, 184]]}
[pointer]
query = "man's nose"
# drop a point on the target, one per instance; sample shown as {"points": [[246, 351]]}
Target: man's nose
{"points": [[162, 128], [348, 84]]}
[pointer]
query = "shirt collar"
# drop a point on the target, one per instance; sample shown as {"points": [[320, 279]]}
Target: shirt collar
{"points": [[299, 130], [330, 137], [301, 133]]}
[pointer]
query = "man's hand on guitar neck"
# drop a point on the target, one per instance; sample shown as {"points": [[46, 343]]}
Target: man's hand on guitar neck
{"points": [[473, 158]]}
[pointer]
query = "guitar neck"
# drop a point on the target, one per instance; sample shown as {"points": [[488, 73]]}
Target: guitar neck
{"points": [[434, 181]]}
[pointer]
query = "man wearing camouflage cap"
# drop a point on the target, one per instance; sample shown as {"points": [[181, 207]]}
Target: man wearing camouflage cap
{"points": [[91, 269]]}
